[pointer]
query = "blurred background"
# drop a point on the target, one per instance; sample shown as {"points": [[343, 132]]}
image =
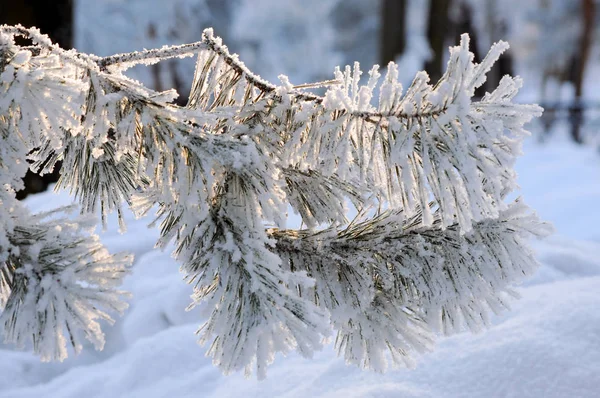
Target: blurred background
{"points": [[548, 346], [555, 44]]}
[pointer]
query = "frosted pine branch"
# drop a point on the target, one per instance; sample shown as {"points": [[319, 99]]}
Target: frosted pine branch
{"points": [[441, 252], [57, 285], [435, 281]]}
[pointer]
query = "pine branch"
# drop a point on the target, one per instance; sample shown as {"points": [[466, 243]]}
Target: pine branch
{"points": [[56, 279], [431, 142], [57, 284], [443, 249], [254, 314], [434, 281]]}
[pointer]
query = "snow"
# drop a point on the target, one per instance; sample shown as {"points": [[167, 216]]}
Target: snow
{"points": [[548, 345]]}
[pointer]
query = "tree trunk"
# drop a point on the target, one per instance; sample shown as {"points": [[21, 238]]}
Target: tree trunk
{"points": [[588, 10], [393, 30], [437, 31]]}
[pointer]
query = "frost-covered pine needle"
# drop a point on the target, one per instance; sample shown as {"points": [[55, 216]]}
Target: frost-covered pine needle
{"points": [[441, 252]]}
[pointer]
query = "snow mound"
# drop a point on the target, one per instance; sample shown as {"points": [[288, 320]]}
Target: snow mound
{"points": [[546, 347]]}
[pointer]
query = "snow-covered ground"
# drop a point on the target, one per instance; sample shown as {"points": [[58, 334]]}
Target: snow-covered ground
{"points": [[547, 346]]}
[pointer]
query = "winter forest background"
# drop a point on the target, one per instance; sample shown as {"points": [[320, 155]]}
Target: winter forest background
{"points": [[547, 346]]}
